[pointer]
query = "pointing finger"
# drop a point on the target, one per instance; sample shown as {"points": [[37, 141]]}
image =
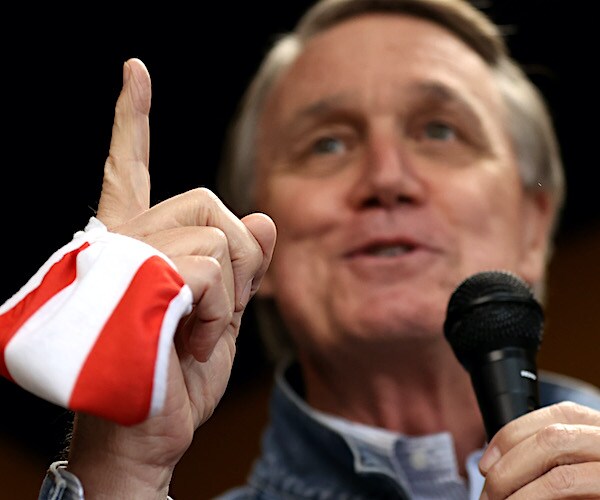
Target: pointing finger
{"points": [[126, 184]]}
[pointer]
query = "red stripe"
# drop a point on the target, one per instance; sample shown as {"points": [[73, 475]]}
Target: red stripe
{"points": [[59, 276], [116, 380]]}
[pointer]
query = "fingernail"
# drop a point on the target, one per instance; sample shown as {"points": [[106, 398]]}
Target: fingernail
{"points": [[245, 298], [489, 458], [126, 72]]}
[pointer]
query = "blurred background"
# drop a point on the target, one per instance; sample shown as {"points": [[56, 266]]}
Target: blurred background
{"points": [[61, 77]]}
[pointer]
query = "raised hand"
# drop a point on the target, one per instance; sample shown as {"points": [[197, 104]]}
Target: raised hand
{"points": [[551, 453], [221, 258]]}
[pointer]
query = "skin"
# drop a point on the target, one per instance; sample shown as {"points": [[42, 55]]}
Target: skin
{"points": [[387, 133], [223, 260], [397, 144], [387, 190]]}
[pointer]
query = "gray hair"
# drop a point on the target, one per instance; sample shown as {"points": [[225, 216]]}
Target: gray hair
{"points": [[527, 118]]}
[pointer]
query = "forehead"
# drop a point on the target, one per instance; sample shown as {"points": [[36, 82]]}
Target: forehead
{"points": [[371, 58]]}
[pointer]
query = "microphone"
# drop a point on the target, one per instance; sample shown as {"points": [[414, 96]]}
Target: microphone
{"points": [[494, 326]]}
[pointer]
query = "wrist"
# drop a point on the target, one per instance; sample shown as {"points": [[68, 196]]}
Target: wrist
{"points": [[104, 479], [111, 462]]}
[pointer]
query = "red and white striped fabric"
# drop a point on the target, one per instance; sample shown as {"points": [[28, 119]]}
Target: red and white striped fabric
{"points": [[92, 329]]}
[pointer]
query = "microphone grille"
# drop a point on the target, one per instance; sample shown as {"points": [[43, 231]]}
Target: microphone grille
{"points": [[492, 310]]}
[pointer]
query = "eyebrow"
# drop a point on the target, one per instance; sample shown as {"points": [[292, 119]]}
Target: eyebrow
{"points": [[437, 91], [321, 107], [431, 90], [441, 93]]}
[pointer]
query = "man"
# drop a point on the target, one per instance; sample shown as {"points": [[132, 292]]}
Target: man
{"points": [[399, 151]]}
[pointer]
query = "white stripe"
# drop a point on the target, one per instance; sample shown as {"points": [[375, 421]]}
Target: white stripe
{"points": [[93, 230], [180, 305], [49, 350], [37, 278]]}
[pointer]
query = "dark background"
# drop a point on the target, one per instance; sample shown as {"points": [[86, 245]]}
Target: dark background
{"points": [[62, 75]]}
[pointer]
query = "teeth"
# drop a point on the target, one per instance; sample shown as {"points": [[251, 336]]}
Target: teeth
{"points": [[389, 251]]}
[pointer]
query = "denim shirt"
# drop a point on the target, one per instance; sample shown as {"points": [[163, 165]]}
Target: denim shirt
{"points": [[311, 455]]}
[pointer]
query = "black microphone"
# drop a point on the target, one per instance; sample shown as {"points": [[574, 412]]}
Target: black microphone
{"points": [[494, 325]]}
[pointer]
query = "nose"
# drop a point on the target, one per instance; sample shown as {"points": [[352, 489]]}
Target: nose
{"points": [[388, 176]]}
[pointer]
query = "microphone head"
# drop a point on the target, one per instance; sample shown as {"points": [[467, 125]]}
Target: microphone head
{"points": [[492, 310]]}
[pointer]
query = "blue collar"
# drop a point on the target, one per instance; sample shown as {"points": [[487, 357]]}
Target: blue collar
{"points": [[309, 453]]}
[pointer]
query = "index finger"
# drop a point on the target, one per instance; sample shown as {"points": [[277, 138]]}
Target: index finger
{"points": [[126, 183]]}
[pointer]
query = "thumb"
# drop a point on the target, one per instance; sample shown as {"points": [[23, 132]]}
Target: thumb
{"points": [[126, 183], [264, 231]]}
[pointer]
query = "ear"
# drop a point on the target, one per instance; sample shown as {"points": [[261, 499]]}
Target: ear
{"points": [[539, 210]]}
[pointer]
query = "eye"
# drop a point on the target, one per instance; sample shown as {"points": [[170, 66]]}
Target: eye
{"points": [[328, 145], [322, 148], [439, 131]]}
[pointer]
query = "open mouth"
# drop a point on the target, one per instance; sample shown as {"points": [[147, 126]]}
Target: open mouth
{"points": [[384, 250]]}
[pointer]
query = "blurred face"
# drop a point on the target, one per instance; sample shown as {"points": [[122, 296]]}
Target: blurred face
{"points": [[385, 165]]}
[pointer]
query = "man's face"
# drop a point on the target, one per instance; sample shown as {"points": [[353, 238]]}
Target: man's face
{"points": [[385, 164]]}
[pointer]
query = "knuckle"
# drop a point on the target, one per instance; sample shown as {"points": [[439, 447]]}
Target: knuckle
{"points": [[569, 412], [557, 437], [219, 323], [204, 192], [205, 202], [212, 271], [494, 480], [220, 242], [561, 480]]}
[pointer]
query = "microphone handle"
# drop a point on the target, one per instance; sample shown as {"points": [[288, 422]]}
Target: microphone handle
{"points": [[506, 386]]}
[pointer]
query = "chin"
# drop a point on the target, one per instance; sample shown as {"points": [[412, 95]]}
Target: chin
{"points": [[398, 321]]}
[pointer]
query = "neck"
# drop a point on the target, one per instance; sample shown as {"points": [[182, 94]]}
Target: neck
{"points": [[416, 388]]}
